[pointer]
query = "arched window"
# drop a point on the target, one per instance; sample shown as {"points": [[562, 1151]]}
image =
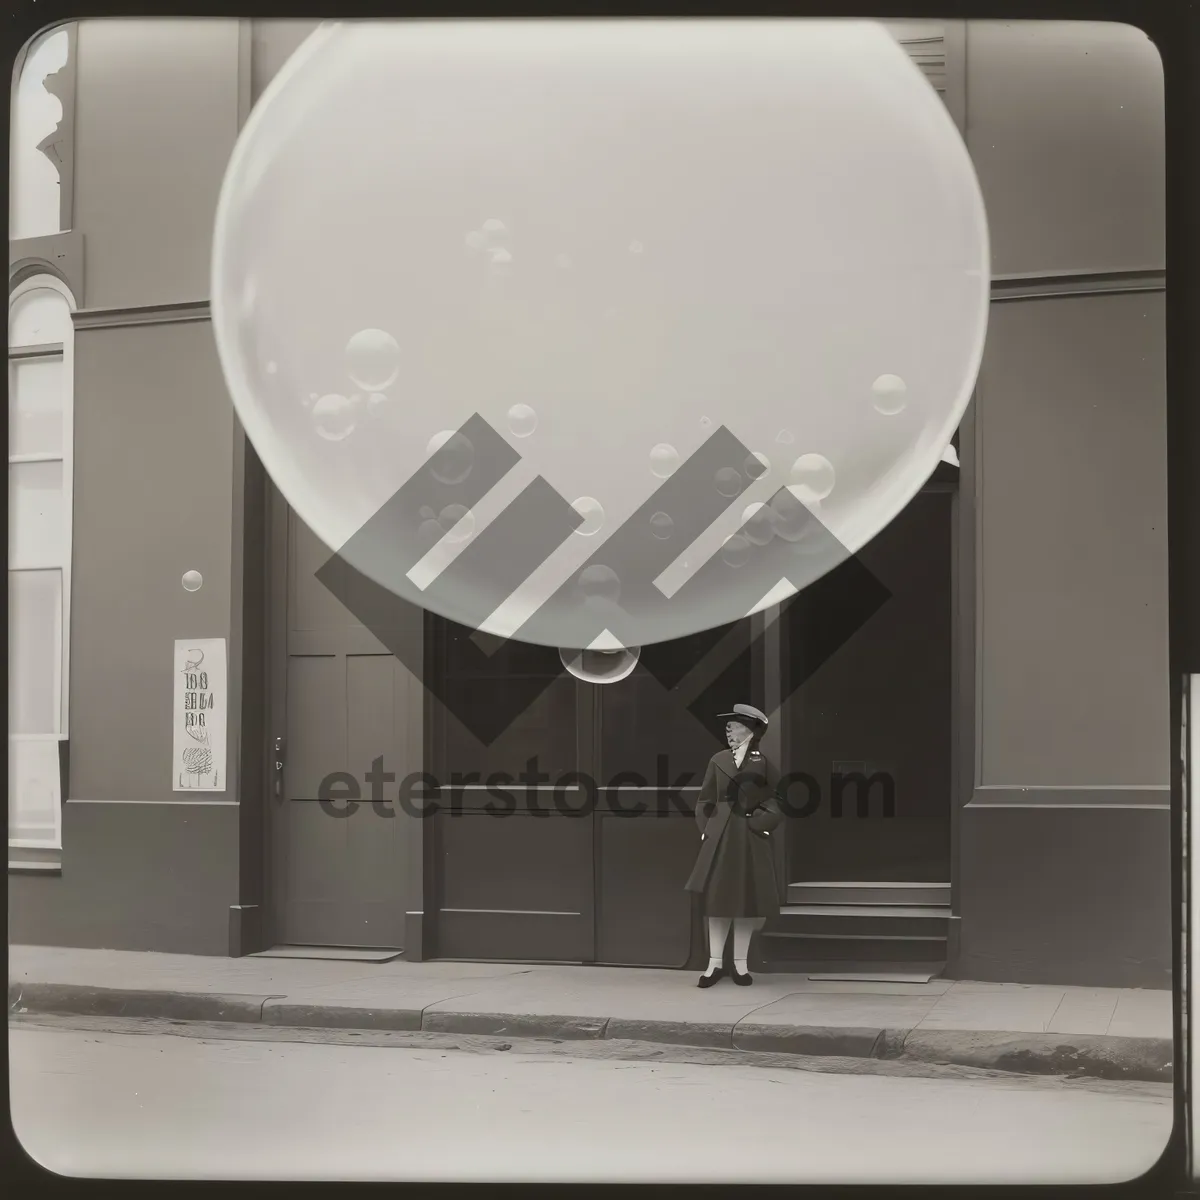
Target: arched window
{"points": [[40, 392]]}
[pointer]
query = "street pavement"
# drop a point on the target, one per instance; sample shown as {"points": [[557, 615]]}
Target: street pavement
{"points": [[1106, 1032], [127, 1098]]}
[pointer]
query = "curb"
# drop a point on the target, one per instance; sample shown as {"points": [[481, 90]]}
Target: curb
{"points": [[815, 1040], [72, 999], [516, 1025], [279, 1012], [1146, 1060]]}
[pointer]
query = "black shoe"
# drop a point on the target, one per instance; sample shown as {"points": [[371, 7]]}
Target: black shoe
{"points": [[742, 980], [707, 980]]}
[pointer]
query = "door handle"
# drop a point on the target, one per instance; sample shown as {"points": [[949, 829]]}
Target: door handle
{"points": [[277, 766]]}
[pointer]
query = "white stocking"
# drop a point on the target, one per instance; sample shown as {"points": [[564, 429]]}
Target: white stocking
{"points": [[743, 930], [718, 934]]}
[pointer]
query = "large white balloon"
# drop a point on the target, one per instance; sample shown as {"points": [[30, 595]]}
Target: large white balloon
{"points": [[722, 285]]}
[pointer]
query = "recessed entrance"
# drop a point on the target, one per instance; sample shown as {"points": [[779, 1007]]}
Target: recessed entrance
{"points": [[567, 835], [868, 871]]}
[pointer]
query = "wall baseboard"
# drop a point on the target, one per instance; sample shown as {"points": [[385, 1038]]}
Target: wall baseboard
{"points": [[1012, 796]]}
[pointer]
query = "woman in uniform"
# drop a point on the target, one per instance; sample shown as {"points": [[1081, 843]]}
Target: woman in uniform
{"points": [[737, 811]]}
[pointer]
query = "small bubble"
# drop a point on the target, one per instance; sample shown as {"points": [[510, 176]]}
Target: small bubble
{"points": [[333, 416], [784, 437], [376, 402], [500, 257], [792, 520], [664, 460], [812, 477], [757, 525], [600, 666], [661, 526], [458, 522], [452, 456], [192, 581], [736, 551], [475, 240], [522, 420], [729, 482], [427, 513], [272, 368], [706, 422], [494, 232], [599, 583], [636, 247], [592, 512], [373, 360], [757, 465], [890, 394]]}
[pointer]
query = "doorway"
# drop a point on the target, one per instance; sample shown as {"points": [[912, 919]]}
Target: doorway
{"points": [[873, 725], [547, 873], [338, 858]]}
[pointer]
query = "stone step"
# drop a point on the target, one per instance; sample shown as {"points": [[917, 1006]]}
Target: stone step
{"points": [[901, 893]]}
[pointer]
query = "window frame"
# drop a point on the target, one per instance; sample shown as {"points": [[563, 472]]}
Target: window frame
{"points": [[45, 281]]}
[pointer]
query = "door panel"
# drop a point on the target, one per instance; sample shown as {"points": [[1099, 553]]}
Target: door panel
{"points": [[340, 879], [882, 704], [644, 917], [515, 887], [546, 729], [338, 870], [648, 732]]}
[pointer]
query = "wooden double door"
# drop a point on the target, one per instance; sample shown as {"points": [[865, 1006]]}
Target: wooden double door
{"points": [[584, 854]]}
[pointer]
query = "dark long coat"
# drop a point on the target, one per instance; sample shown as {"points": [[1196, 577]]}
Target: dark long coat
{"points": [[737, 811]]}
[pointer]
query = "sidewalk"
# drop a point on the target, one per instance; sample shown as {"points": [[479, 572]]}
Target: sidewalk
{"points": [[1102, 1032]]}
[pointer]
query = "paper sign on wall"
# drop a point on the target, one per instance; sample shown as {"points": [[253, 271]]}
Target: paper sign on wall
{"points": [[200, 715]]}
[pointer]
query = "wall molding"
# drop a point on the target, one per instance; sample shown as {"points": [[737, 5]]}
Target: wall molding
{"points": [[1004, 288], [35, 860], [1092, 796], [223, 802], [1045, 286], [148, 314]]}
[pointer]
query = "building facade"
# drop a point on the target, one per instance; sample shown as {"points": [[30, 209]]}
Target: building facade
{"points": [[1015, 687]]}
